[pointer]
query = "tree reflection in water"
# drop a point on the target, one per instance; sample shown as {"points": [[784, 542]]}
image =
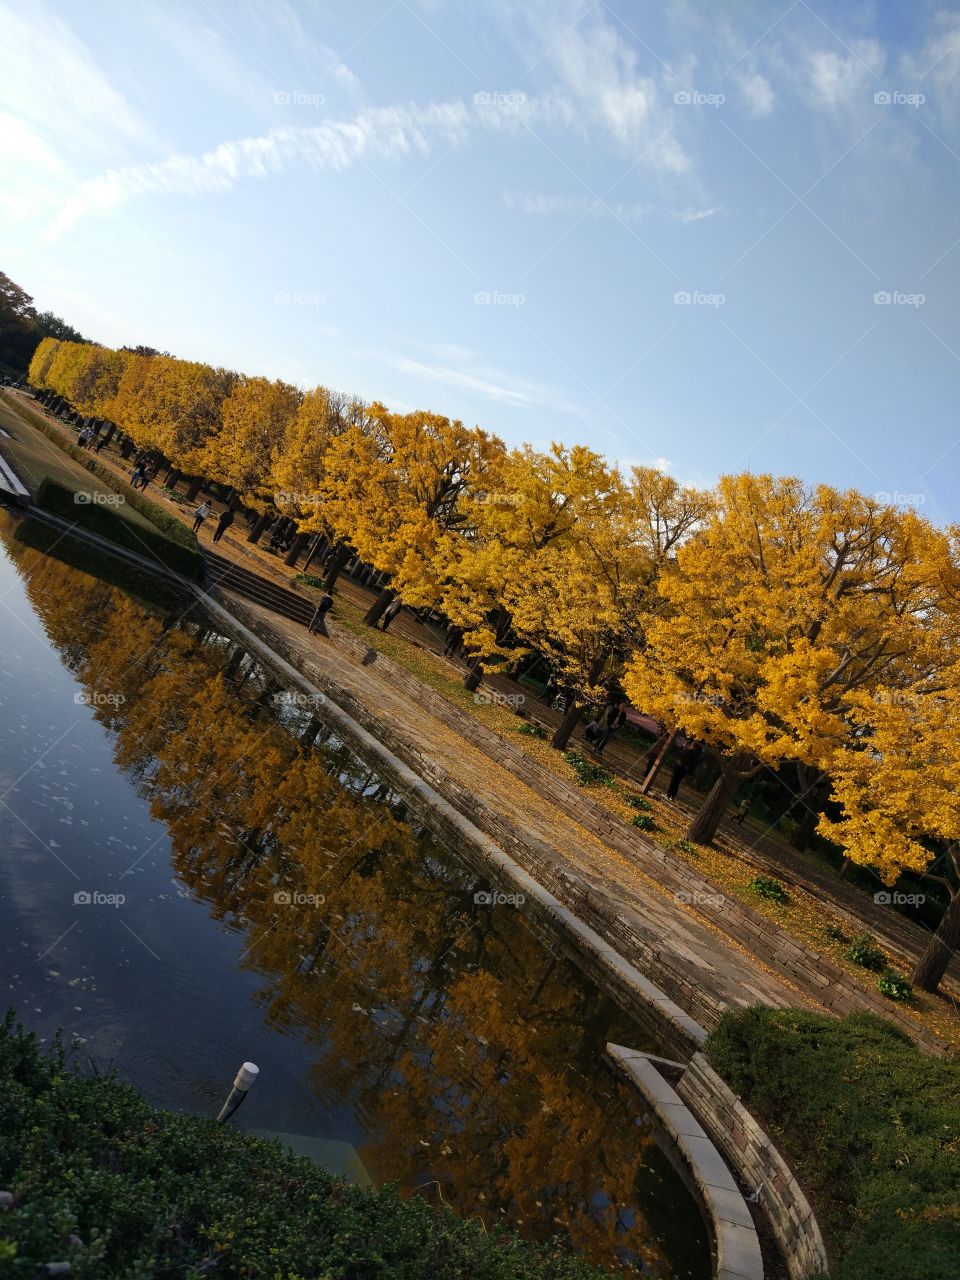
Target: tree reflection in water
{"points": [[469, 1050]]}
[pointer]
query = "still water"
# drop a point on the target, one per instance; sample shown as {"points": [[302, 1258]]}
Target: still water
{"points": [[194, 873]]}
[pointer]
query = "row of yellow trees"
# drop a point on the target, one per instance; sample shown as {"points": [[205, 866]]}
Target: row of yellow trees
{"points": [[772, 621]]}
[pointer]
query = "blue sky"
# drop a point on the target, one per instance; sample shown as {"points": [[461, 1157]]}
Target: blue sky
{"points": [[495, 210]]}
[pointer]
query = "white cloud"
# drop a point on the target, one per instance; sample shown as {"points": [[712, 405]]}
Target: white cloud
{"points": [[599, 70], [696, 215], [757, 93], [49, 80], [484, 380], [835, 80], [337, 145]]}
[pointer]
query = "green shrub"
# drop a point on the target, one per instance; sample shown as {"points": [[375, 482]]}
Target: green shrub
{"points": [[644, 822], [530, 728], [865, 952], [308, 579], [151, 1193], [835, 934], [685, 846], [585, 771], [867, 1121], [768, 887], [638, 802], [890, 984], [109, 524]]}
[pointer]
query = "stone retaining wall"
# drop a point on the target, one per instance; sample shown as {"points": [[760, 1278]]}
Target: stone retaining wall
{"points": [[736, 1248], [758, 1162]]}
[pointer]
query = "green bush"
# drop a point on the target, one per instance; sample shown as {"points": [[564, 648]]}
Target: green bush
{"points": [[638, 802], [890, 984], [644, 822], [685, 846], [109, 524], [147, 1193], [585, 771], [867, 1121], [308, 579], [768, 887], [530, 728], [865, 952], [835, 933]]}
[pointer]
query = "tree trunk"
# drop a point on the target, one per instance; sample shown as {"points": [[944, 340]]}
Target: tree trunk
{"points": [[319, 543], [379, 606], [567, 725], [707, 820], [297, 549], [932, 965], [109, 432], [807, 826], [194, 488], [474, 677], [256, 532], [657, 755], [340, 558], [172, 476]]}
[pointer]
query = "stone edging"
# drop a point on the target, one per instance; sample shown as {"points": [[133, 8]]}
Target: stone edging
{"points": [[736, 1248], [758, 1162]]}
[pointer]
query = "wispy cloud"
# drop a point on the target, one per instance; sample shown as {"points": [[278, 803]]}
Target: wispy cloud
{"points": [[546, 204], [469, 374]]}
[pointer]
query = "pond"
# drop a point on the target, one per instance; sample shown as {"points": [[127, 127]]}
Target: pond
{"points": [[194, 872]]}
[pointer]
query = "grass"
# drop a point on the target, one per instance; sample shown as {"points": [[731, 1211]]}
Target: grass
{"points": [[868, 1123]]}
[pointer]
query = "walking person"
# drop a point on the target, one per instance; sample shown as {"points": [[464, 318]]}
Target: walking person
{"points": [[84, 438], [223, 524], [318, 623], [743, 809], [136, 475], [687, 761], [200, 515], [391, 611], [146, 477], [615, 719]]}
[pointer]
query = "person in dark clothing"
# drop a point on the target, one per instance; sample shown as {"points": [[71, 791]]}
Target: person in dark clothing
{"points": [[551, 689], [137, 474], [687, 761], [223, 524], [615, 719], [593, 732], [318, 623], [391, 611]]}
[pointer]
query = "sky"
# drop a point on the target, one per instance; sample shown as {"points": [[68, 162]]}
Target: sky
{"points": [[710, 236]]}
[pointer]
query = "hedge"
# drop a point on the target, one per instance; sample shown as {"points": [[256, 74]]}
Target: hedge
{"points": [[108, 523], [123, 1191], [870, 1125]]}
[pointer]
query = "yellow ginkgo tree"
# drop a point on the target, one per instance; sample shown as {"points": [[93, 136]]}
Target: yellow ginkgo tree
{"points": [[782, 610]]}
